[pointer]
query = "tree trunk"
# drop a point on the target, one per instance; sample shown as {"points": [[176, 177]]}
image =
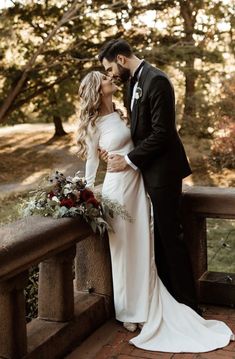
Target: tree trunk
{"points": [[189, 114], [188, 12], [59, 130]]}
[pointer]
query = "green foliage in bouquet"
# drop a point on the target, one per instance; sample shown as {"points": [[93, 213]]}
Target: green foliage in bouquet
{"points": [[69, 197]]}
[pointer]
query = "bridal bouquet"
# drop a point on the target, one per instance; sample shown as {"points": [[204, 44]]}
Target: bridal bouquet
{"points": [[69, 197]]}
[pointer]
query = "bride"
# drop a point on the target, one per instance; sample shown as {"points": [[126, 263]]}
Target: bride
{"points": [[140, 297]]}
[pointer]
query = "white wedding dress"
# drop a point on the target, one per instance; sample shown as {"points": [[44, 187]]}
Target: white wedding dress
{"points": [[139, 294]]}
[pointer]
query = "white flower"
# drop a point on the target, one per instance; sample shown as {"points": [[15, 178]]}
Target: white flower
{"points": [[76, 179], [69, 179], [138, 93], [55, 199], [68, 188]]}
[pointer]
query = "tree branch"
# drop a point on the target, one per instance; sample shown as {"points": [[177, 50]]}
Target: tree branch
{"points": [[27, 68]]}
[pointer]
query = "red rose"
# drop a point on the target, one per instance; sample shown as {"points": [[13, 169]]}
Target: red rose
{"points": [[86, 194], [67, 202], [51, 194], [93, 201]]}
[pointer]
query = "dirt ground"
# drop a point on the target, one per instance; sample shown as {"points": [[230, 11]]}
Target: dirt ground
{"points": [[27, 154]]}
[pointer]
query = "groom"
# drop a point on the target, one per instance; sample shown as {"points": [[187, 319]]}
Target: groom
{"points": [[160, 156]]}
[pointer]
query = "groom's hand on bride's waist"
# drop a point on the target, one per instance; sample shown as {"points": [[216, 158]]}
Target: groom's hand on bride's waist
{"points": [[116, 163]]}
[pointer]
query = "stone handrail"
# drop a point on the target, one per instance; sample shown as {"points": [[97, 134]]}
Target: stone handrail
{"points": [[210, 201], [200, 203], [28, 241]]}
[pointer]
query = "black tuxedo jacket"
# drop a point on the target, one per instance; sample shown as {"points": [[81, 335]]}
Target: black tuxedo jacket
{"points": [[158, 152]]}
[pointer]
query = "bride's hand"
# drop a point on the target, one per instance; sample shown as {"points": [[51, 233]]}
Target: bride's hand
{"points": [[103, 154]]}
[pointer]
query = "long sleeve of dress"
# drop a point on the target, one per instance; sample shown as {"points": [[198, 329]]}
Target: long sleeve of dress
{"points": [[92, 162]]}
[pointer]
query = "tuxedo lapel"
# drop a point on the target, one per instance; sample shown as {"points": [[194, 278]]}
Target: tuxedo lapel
{"points": [[135, 109], [128, 94], [134, 116]]}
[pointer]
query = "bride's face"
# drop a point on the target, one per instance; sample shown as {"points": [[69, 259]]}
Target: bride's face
{"points": [[107, 86]]}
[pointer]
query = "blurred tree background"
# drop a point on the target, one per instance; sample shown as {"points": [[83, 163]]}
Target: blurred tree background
{"points": [[191, 40], [47, 46]]}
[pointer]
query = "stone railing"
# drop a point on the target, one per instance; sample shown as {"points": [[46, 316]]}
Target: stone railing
{"points": [[65, 316], [68, 313]]}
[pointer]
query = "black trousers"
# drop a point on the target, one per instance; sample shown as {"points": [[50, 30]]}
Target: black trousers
{"points": [[171, 254]]}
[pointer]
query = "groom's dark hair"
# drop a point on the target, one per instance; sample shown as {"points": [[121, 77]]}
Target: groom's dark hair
{"points": [[115, 47]]}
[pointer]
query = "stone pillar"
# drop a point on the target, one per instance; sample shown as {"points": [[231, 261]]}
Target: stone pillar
{"points": [[55, 294], [13, 336], [196, 240], [93, 268]]}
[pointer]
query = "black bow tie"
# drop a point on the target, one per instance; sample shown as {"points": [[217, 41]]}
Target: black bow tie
{"points": [[135, 77]]}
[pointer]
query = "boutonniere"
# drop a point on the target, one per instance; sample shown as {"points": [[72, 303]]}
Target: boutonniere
{"points": [[138, 93]]}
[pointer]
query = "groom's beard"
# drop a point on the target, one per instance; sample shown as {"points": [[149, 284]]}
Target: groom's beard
{"points": [[124, 74]]}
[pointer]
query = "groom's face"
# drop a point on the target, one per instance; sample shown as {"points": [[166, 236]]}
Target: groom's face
{"points": [[116, 70]]}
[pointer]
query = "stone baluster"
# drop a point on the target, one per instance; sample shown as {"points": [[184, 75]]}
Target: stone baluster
{"points": [[93, 269], [13, 338], [56, 295]]}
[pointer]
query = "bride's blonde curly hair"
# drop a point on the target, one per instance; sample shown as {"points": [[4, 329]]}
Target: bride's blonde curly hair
{"points": [[90, 102]]}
